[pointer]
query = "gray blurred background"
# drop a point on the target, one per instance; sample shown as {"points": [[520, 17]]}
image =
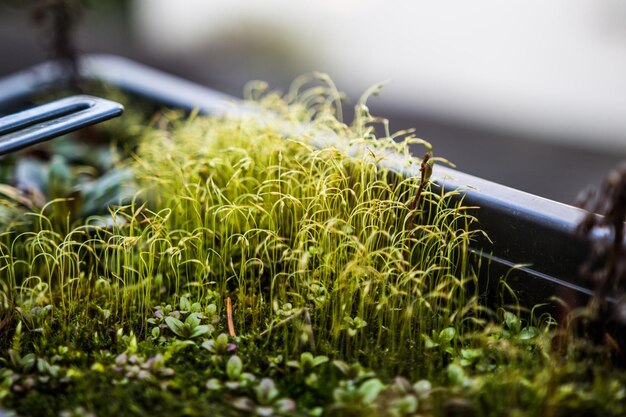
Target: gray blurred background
{"points": [[527, 93]]}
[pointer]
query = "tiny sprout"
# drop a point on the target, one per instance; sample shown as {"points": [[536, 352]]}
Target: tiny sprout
{"points": [[513, 323], [516, 331], [354, 372], [442, 340], [22, 363], [274, 361], [470, 356], [234, 367], [185, 305], [219, 345], [236, 377], [352, 325], [285, 310], [307, 362], [317, 294], [266, 401], [190, 329], [357, 397]]}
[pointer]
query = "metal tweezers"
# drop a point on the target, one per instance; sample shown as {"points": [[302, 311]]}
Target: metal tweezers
{"points": [[48, 121]]}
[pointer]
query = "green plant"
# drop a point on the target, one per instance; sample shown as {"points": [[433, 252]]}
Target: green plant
{"points": [[356, 399], [190, 329], [442, 340], [57, 195], [514, 328], [266, 401], [254, 272]]}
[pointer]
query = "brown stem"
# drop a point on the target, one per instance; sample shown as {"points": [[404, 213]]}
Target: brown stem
{"points": [[415, 204], [229, 317], [282, 323]]}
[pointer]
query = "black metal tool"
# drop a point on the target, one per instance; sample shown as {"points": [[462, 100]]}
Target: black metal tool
{"points": [[45, 122]]}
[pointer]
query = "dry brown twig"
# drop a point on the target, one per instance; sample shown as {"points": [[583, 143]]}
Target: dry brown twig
{"points": [[425, 171], [229, 317]]}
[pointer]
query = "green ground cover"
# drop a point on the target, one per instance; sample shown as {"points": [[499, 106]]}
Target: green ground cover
{"points": [[243, 271]]}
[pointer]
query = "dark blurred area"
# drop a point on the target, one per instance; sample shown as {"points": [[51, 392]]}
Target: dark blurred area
{"points": [[548, 161]]}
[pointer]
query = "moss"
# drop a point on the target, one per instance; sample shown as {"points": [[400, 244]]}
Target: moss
{"points": [[347, 296]]}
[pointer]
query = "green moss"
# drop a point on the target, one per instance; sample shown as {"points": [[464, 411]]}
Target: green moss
{"points": [[346, 299]]}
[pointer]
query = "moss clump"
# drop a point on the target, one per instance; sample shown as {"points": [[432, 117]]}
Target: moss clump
{"points": [[256, 274]]}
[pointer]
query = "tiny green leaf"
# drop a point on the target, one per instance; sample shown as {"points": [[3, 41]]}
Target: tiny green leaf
{"points": [[406, 405], [447, 334], [422, 387], [528, 333], [211, 309], [214, 384], [456, 375], [266, 391], [370, 389], [293, 364], [429, 343], [234, 367], [177, 346], [193, 320], [175, 326], [42, 366], [306, 358], [471, 354], [312, 379], [16, 358], [221, 343], [199, 331], [184, 304], [343, 367], [512, 322], [54, 371], [28, 361], [318, 360]]}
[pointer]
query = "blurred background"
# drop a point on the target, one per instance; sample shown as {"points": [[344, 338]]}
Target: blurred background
{"points": [[527, 93]]}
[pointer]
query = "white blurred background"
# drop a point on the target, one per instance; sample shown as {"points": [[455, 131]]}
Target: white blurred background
{"points": [[529, 93], [551, 68]]}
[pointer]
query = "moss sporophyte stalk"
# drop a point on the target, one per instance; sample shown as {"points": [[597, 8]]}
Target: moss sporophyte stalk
{"points": [[253, 272]]}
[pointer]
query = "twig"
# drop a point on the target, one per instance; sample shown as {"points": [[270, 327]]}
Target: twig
{"points": [[425, 172], [308, 327], [229, 317], [284, 322]]}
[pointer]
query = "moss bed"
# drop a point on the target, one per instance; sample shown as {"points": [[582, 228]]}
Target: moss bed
{"points": [[243, 271]]}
